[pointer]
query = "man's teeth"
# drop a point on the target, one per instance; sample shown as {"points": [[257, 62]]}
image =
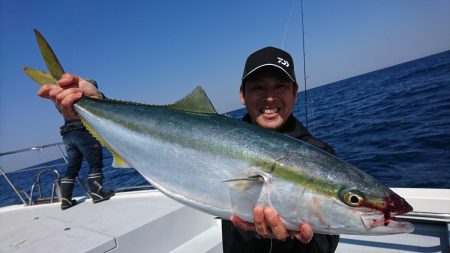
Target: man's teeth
{"points": [[269, 111]]}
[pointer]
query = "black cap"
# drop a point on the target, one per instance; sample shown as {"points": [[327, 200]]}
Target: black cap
{"points": [[270, 56]]}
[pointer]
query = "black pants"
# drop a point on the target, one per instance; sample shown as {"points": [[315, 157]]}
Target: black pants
{"points": [[80, 143]]}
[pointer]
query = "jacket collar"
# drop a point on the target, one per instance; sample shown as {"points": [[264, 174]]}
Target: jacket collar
{"points": [[293, 127]]}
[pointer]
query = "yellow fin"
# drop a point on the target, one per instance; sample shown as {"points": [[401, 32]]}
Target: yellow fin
{"points": [[52, 62], [196, 101], [39, 76], [118, 162]]}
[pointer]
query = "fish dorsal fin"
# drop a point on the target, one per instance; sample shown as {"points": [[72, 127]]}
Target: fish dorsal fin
{"points": [[196, 101]]}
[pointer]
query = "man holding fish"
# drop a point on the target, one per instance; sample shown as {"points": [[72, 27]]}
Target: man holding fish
{"points": [[269, 92]]}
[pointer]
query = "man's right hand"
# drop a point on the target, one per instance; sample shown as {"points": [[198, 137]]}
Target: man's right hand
{"points": [[69, 89], [268, 224]]}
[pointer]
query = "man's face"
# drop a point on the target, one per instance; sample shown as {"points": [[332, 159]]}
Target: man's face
{"points": [[269, 98]]}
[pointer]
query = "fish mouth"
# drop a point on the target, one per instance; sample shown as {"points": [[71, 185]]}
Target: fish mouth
{"points": [[383, 220], [378, 224], [396, 205]]}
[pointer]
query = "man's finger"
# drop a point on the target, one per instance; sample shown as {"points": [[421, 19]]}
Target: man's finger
{"points": [[305, 234], [68, 80], [61, 95], [67, 105], [238, 222], [276, 226], [44, 91], [260, 222]]}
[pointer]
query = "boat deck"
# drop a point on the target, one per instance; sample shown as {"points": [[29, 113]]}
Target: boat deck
{"points": [[148, 221], [144, 221]]}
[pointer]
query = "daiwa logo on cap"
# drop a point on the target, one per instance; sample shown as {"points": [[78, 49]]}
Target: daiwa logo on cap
{"points": [[283, 62]]}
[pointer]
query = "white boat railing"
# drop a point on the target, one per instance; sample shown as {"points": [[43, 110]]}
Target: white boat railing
{"points": [[44, 169], [426, 216], [28, 199]]}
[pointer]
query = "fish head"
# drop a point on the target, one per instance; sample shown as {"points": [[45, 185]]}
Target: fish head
{"points": [[377, 210]]}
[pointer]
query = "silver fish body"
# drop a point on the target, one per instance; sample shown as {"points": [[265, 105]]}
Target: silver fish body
{"points": [[224, 166]]}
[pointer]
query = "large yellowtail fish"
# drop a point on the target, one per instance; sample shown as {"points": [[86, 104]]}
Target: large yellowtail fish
{"points": [[223, 166]]}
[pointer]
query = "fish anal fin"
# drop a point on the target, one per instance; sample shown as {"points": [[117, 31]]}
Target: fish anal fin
{"points": [[196, 101], [118, 162]]}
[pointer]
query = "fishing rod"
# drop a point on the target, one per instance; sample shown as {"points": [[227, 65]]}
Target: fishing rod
{"points": [[304, 66], [304, 53]]}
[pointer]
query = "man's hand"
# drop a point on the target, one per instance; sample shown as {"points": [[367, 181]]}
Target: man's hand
{"points": [[268, 225], [69, 89]]}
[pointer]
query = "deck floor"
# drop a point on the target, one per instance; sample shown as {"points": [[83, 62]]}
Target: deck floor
{"points": [[128, 222], [148, 221]]}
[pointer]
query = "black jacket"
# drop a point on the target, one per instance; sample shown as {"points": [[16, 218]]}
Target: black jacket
{"points": [[236, 240]]}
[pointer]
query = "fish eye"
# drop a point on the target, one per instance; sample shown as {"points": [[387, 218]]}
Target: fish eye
{"points": [[353, 198]]}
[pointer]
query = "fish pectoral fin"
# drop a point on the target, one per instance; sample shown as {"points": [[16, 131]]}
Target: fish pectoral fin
{"points": [[244, 194], [196, 101], [255, 178], [243, 184]]}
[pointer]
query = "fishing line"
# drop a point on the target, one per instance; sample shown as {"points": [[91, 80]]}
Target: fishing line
{"points": [[304, 53], [271, 244], [287, 24]]}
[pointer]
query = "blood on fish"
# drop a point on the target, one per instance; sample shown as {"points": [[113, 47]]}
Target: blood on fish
{"points": [[393, 204]]}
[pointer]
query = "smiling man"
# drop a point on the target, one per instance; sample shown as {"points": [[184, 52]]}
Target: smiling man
{"points": [[269, 92], [269, 98], [269, 89]]}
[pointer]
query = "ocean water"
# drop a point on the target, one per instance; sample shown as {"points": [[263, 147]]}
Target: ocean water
{"points": [[392, 123]]}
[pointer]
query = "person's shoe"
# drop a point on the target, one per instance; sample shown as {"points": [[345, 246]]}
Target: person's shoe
{"points": [[66, 193], [101, 196], [65, 203], [97, 193]]}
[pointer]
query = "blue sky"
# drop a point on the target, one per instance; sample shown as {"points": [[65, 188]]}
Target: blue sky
{"points": [[158, 51]]}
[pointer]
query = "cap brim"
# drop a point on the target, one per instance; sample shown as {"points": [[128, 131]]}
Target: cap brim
{"points": [[268, 65]]}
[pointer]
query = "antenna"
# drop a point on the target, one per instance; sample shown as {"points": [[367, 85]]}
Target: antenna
{"points": [[304, 68]]}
